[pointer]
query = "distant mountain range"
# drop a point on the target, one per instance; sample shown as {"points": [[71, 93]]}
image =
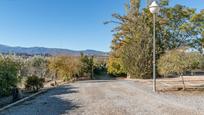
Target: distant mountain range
{"points": [[47, 51]]}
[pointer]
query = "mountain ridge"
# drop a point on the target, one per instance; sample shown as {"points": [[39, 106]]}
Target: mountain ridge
{"points": [[6, 49]]}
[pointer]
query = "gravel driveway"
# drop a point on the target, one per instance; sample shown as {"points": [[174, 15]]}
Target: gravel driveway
{"points": [[116, 97]]}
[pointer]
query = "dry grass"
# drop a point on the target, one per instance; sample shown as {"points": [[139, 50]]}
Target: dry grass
{"points": [[194, 85]]}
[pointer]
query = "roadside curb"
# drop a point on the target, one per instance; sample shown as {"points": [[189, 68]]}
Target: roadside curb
{"points": [[27, 98]]}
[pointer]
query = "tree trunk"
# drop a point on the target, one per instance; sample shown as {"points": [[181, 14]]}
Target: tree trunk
{"points": [[128, 76], [135, 6], [181, 75]]}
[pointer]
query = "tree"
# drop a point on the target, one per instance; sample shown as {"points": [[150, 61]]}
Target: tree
{"points": [[134, 6], [178, 61], [131, 46], [177, 18], [114, 66], [9, 78], [136, 55], [133, 35], [87, 65], [197, 24]]}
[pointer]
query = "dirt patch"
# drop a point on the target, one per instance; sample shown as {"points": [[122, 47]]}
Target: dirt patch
{"points": [[111, 97], [179, 91]]}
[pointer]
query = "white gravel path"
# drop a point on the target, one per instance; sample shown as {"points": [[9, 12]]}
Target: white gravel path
{"points": [[117, 97]]}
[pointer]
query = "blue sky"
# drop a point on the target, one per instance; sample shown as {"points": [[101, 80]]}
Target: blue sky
{"points": [[70, 24]]}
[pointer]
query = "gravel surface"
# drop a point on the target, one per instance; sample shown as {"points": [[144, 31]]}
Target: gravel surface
{"points": [[116, 97]]}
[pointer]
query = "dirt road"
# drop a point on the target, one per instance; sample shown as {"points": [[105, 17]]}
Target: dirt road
{"points": [[116, 97]]}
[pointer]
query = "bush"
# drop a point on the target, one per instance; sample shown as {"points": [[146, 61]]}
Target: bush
{"points": [[8, 75], [178, 61], [87, 64], [34, 83], [64, 67], [114, 66]]}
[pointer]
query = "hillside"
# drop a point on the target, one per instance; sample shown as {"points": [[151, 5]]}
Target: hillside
{"points": [[47, 51]]}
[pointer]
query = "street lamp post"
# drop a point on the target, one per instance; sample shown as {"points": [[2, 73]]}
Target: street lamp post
{"points": [[154, 9]]}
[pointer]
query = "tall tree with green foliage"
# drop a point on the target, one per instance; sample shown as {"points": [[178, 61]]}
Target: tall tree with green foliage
{"points": [[197, 24], [115, 66], [136, 55], [87, 65], [177, 18], [133, 36]]}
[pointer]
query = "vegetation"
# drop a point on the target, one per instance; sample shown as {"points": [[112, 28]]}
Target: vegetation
{"points": [[36, 66], [9, 76], [64, 67], [100, 65], [34, 83], [177, 26], [87, 66], [136, 54], [37, 69], [114, 66], [178, 61]]}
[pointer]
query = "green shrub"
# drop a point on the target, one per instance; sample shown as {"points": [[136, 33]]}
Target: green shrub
{"points": [[179, 61], [114, 66], [8, 75], [34, 83]]}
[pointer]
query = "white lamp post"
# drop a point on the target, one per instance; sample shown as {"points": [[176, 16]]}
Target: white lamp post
{"points": [[154, 9]]}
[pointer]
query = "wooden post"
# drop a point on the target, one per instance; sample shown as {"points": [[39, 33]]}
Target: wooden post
{"points": [[181, 75]]}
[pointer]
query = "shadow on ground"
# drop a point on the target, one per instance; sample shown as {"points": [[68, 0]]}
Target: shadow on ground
{"points": [[52, 102]]}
